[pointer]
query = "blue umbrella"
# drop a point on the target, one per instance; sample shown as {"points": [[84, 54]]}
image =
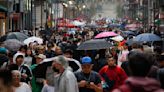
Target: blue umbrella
{"points": [[129, 33], [147, 37]]}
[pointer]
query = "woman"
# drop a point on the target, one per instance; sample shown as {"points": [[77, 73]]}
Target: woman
{"points": [[19, 86], [28, 57]]}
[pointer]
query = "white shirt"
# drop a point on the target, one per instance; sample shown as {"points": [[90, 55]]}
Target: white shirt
{"points": [[23, 88]]}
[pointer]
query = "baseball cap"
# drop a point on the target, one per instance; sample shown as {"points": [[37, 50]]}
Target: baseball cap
{"points": [[41, 56], [86, 60]]}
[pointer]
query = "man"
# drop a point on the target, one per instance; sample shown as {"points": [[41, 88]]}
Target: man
{"points": [[140, 65], [65, 81], [88, 80], [37, 80], [112, 74], [49, 52]]}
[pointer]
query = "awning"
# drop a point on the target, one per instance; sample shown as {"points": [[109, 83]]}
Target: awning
{"points": [[3, 9]]}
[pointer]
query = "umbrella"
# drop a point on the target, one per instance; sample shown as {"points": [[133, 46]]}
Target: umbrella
{"points": [[94, 44], [147, 37], [78, 23], [128, 33], [132, 26], [117, 38], [13, 44], [41, 69], [33, 39], [14, 35], [105, 34], [130, 42], [68, 25]]}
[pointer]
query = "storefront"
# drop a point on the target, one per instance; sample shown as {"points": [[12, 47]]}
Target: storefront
{"points": [[3, 21]]}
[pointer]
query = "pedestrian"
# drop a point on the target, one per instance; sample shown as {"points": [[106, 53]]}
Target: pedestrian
{"points": [[19, 86], [160, 72], [37, 80], [112, 74], [140, 66], [88, 80], [28, 57], [64, 44], [26, 74], [6, 81], [49, 52], [65, 81]]}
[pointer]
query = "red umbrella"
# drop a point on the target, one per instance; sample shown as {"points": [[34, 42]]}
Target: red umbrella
{"points": [[69, 25], [105, 34]]}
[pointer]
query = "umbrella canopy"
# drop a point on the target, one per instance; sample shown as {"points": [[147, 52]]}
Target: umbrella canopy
{"points": [[105, 34], [132, 26], [130, 42], [78, 23], [128, 33], [14, 35], [13, 44], [33, 39], [68, 25], [147, 37], [40, 70], [94, 44], [117, 38]]}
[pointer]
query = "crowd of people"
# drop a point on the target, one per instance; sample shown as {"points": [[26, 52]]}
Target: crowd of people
{"points": [[121, 68]]}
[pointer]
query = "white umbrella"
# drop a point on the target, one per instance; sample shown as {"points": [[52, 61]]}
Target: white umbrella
{"points": [[117, 38], [78, 23], [33, 39]]}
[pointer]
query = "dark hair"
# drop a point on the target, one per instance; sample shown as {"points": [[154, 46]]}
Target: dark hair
{"points": [[64, 38], [31, 53], [19, 56], [23, 47], [139, 63], [108, 56], [6, 77], [137, 46], [68, 51]]}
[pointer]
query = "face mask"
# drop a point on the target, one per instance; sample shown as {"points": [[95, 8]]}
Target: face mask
{"points": [[55, 70]]}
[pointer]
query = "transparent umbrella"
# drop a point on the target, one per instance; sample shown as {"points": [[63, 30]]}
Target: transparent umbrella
{"points": [[13, 44]]}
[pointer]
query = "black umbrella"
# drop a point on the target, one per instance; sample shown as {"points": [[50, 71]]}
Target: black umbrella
{"points": [[40, 70], [94, 44], [14, 35]]}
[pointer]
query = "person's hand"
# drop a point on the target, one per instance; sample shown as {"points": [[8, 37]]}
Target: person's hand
{"points": [[24, 76], [92, 85], [82, 83]]}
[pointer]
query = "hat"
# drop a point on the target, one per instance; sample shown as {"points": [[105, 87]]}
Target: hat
{"points": [[40, 47], [86, 60], [3, 50], [41, 56]]}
